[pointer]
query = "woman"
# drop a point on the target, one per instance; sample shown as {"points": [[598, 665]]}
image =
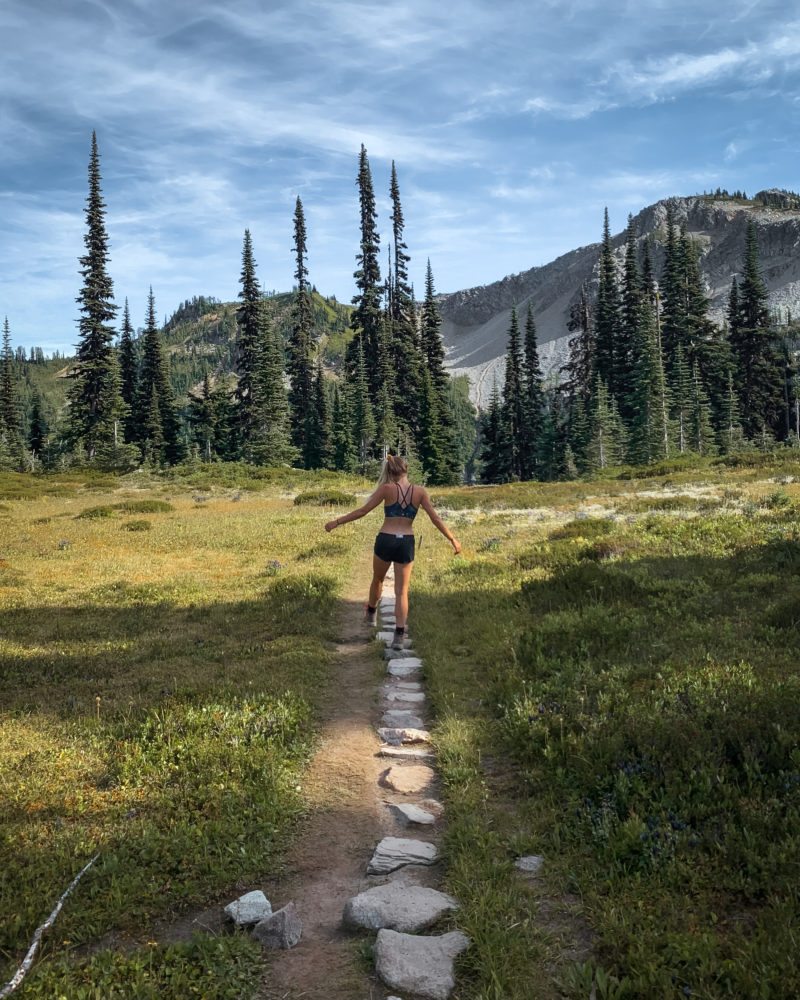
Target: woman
{"points": [[395, 541]]}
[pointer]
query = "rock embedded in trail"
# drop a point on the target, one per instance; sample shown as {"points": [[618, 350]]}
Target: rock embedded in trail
{"points": [[395, 852], [421, 965], [395, 737], [282, 929], [407, 780], [397, 718], [407, 908], [411, 697], [406, 753], [249, 909], [529, 864], [398, 654], [406, 814], [406, 667]]}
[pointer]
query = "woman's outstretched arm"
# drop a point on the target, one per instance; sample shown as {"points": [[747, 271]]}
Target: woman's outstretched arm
{"points": [[427, 506], [354, 515]]}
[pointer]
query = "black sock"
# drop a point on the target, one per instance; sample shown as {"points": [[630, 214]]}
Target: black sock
{"points": [[371, 610], [399, 629]]}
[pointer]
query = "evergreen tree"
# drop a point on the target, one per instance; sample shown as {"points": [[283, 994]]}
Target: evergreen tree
{"points": [[9, 413], [37, 436], [607, 435], [382, 408], [155, 375], [662, 430], [682, 397], [360, 409], [607, 313], [301, 375], [403, 340], [673, 297], [493, 467], [701, 431], [533, 400], [320, 430], [91, 395], [432, 356], [271, 433], [203, 419], [128, 371], [759, 372], [367, 318], [514, 414], [628, 359], [248, 342], [731, 435], [579, 435], [430, 441], [344, 455]]}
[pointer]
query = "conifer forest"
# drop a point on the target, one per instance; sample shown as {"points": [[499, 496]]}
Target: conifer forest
{"points": [[300, 380]]}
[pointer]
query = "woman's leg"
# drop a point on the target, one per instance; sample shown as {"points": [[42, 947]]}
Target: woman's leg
{"points": [[402, 575], [379, 571]]}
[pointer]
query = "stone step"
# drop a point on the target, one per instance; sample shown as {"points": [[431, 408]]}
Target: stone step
{"points": [[395, 852], [396, 718], [397, 735], [407, 780], [406, 667], [406, 814], [407, 753], [416, 964], [407, 908], [408, 697]]}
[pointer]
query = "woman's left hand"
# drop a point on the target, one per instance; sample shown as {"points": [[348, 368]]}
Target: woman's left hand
{"points": [[331, 525]]}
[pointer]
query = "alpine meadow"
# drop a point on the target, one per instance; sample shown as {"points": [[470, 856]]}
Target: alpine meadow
{"points": [[609, 662]]}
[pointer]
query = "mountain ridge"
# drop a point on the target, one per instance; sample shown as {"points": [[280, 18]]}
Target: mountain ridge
{"points": [[475, 321]]}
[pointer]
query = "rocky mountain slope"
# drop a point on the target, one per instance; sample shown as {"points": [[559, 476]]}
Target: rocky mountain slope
{"points": [[476, 320]]}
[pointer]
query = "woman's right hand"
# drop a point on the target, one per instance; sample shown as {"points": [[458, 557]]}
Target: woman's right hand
{"points": [[456, 546]]}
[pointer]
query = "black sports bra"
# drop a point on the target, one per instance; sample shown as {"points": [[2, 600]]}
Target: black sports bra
{"points": [[401, 508]]}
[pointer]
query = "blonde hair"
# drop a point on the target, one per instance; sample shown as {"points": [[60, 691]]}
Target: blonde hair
{"points": [[394, 468]]}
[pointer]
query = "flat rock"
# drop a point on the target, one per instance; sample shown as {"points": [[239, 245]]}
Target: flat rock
{"points": [[249, 909], [406, 814], [406, 908], [406, 667], [431, 806], [282, 929], [398, 654], [397, 736], [420, 965], [409, 697], [529, 864], [394, 852], [400, 718], [407, 780], [407, 753]]}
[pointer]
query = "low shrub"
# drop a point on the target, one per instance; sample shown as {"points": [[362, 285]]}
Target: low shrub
{"points": [[91, 513], [326, 498], [138, 525], [144, 507]]}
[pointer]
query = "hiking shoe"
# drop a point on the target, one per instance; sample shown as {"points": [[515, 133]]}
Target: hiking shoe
{"points": [[371, 616], [399, 637]]}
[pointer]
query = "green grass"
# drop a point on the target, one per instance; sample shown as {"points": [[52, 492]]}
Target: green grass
{"points": [[627, 706], [159, 696]]}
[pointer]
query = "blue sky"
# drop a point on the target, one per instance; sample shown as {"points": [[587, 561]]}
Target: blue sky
{"points": [[512, 125]]}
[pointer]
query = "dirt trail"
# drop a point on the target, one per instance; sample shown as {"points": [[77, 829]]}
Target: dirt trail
{"points": [[327, 864]]}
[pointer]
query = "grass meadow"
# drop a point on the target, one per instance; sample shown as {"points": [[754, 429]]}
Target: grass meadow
{"points": [[164, 646], [615, 674], [613, 670]]}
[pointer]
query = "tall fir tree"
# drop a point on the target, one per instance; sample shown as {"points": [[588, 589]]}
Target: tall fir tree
{"points": [[91, 395], [248, 350], [607, 435], [344, 456], [673, 296], [404, 343], [628, 360], [701, 430], [682, 401], [493, 466], [154, 375], [447, 471], [367, 315], [533, 399], [129, 372], [203, 419], [9, 412], [299, 364], [759, 371], [271, 435], [731, 435], [513, 404], [38, 433], [607, 313], [360, 409], [320, 428]]}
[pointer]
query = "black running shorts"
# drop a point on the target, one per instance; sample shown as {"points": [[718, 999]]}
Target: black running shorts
{"points": [[394, 548]]}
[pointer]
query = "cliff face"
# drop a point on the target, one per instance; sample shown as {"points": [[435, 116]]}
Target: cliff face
{"points": [[475, 321]]}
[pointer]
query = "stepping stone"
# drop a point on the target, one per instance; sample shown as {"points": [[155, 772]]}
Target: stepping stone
{"points": [[407, 814], [407, 908], [397, 718], [396, 737], [530, 864], [407, 780], [406, 667], [398, 654], [283, 929], [407, 685], [386, 636], [417, 964], [406, 753], [431, 806], [394, 852], [249, 909], [409, 698]]}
